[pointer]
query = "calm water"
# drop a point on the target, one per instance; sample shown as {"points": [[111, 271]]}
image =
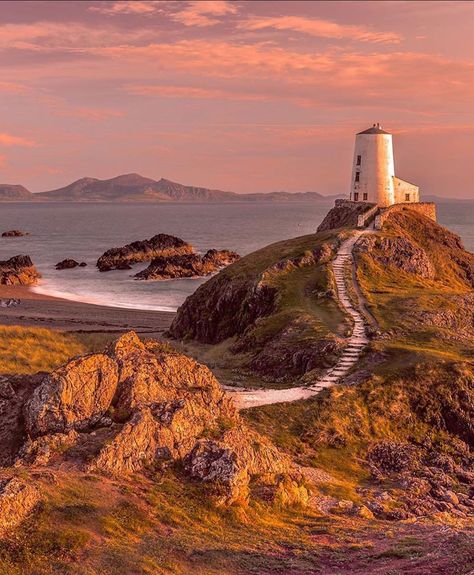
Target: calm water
{"points": [[84, 232]]}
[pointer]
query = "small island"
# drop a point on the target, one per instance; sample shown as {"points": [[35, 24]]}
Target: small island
{"points": [[170, 257], [187, 265]]}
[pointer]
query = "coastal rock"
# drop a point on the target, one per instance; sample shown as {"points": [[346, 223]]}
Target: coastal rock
{"points": [[187, 265], [18, 270], [15, 390], [74, 396], [17, 500], [69, 264], [344, 215], [14, 234], [161, 245]]}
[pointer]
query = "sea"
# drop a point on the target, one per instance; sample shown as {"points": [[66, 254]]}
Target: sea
{"points": [[84, 231]]}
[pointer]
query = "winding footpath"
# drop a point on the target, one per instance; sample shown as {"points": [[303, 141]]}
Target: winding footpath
{"points": [[342, 266]]}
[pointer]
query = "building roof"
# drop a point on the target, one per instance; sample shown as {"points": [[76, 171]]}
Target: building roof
{"points": [[375, 129]]}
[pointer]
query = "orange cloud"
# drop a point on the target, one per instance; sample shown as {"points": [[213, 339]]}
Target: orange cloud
{"points": [[9, 140], [204, 12], [321, 29]]}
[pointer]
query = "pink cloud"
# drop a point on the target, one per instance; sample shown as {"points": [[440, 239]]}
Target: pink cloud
{"points": [[189, 92], [321, 29], [204, 12], [97, 114], [12, 87], [126, 7], [9, 140]]}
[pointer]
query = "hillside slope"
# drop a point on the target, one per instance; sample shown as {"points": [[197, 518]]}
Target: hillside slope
{"points": [[15, 193]]}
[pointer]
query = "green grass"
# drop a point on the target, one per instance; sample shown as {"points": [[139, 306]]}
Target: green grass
{"points": [[28, 350]]}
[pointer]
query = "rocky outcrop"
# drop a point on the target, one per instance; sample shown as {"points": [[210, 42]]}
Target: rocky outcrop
{"points": [[187, 265], [399, 252], [68, 264], [18, 270], [74, 396], [344, 215], [161, 245], [18, 498], [14, 234], [136, 406]]}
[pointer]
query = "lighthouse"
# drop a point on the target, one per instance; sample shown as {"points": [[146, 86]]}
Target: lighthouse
{"points": [[373, 171]]}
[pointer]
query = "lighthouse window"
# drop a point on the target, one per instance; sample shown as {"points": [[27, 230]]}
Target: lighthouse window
{"points": [[357, 176], [365, 197], [356, 197], [358, 160], [407, 197]]}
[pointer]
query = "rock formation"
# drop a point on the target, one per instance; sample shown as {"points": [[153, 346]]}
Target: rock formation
{"points": [[188, 265], [161, 245], [132, 407], [18, 270], [69, 264], [14, 234]]}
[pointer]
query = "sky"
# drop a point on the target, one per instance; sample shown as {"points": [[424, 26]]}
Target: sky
{"points": [[241, 96]]}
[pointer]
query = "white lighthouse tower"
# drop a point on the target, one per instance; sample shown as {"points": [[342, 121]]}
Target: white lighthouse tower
{"points": [[373, 171]]}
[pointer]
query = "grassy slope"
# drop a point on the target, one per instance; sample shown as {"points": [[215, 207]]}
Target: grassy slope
{"points": [[295, 301]]}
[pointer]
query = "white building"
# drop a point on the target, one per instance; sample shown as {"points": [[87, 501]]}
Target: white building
{"points": [[373, 171]]}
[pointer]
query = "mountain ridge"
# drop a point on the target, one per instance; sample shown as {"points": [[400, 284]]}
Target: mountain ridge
{"points": [[134, 187]]}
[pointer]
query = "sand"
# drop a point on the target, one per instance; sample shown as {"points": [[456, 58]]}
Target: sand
{"points": [[40, 310]]}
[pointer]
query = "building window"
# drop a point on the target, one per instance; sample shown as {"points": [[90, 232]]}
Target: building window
{"points": [[357, 176], [356, 197], [359, 158], [365, 197], [407, 197]]}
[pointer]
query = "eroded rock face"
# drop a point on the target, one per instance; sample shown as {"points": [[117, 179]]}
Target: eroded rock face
{"points": [[399, 252], [18, 270], [17, 500], [161, 245], [187, 265], [74, 396]]}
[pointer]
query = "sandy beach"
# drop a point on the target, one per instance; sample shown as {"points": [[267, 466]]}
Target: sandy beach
{"points": [[39, 310]]}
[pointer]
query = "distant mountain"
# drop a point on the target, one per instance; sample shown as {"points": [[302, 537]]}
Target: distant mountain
{"points": [[14, 193], [136, 188]]}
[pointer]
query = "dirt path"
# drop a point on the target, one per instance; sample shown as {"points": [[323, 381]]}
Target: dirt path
{"points": [[343, 261]]}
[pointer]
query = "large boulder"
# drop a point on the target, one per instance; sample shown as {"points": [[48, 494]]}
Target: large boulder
{"points": [[18, 270], [74, 396]]}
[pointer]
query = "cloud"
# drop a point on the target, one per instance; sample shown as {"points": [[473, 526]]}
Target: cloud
{"points": [[320, 28], [97, 114], [189, 92], [72, 37], [204, 12], [12, 88], [8, 140], [126, 7]]}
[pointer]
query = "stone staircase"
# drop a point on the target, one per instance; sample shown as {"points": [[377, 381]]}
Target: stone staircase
{"points": [[358, 339]]}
